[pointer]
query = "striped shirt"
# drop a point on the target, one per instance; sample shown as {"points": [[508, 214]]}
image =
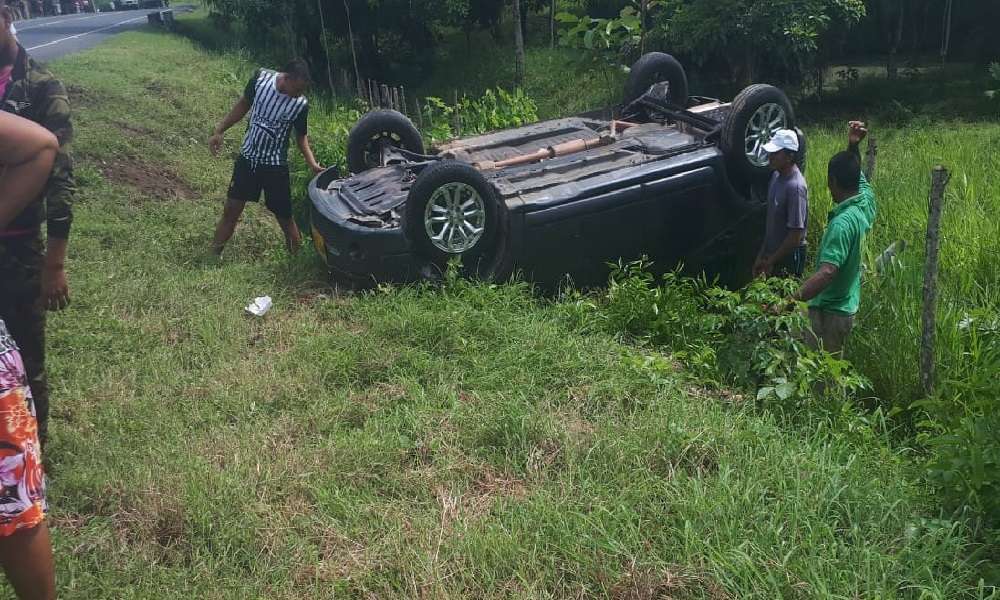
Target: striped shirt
{"points": [[272, 116]]}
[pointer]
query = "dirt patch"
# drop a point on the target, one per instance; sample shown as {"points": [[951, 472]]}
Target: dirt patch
{"points": [[132, 129], [165, 92], [155, 181], [695, 459], [668, 583], [489, 488], [340, 558], [80, 96]]}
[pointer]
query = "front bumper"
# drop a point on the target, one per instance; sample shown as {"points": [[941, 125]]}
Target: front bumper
{"points": [[366, 257]]}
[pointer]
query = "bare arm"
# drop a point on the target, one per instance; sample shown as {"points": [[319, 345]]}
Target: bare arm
{"points": [[307, 153], [28, 151], [236, 114], [817, 283], [792, 241]]}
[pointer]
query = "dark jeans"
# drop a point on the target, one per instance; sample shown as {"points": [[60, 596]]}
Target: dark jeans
{"points": [[793, 265], [21, 261]]}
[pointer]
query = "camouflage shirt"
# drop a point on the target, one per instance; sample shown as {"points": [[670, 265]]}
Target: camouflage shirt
{"points": [[35, 94]]}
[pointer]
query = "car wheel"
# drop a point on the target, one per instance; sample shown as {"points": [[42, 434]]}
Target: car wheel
{"points": [[376, 132], [757, 112], [452, 211], [800, 156], [656, 67]]}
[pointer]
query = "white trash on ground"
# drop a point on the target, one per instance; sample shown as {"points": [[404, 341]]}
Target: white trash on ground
{"points": [[259, 306]]}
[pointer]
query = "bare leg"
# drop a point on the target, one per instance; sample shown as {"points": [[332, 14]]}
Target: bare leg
{"points": [[227, 224], [26, 557], [293, 239]]}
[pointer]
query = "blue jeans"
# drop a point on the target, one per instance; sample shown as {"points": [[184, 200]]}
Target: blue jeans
{"points": [[793, 265]]}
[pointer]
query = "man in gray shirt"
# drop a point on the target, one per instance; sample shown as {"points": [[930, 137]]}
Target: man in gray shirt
{"points": [[783, 253]]}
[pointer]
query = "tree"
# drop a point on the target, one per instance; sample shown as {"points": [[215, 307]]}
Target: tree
{"points": [[748, 33], [518, 45]]}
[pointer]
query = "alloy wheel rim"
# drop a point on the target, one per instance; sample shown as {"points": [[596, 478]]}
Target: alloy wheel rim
{"points": [[455, 218]]}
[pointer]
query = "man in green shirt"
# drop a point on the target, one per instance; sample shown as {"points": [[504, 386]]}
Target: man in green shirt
{"points": [[834, 291]]}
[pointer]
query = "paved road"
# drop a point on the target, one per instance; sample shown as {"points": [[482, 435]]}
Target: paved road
{"points": [[50, 37]]}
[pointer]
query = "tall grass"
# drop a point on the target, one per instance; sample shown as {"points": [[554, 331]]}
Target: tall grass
{"points": [[440, 443]]}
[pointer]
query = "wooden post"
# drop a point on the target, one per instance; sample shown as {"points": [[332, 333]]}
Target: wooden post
{"points": [[402, 100], [870, 156], [458, 115], [420, 111], [939, 179], [386, 102]]}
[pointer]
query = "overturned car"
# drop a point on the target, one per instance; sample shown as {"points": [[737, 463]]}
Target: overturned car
{"points": [[673, 177]]}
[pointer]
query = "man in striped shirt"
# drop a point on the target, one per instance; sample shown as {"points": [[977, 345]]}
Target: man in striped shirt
{"points": [[276, 105]]}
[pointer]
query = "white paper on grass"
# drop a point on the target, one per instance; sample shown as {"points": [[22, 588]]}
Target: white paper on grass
{"points": [[259, 306]]}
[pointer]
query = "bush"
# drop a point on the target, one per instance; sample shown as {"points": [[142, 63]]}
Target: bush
{"points": [[734, 338], [495, 109], [962, 425]]}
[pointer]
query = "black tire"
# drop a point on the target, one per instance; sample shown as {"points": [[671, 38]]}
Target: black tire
{"points": [[376, 128], [803, 153], [489, 256], [654, 67], [735, 132]]}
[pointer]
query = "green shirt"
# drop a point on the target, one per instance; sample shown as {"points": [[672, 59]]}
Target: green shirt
{"points": [[841, 247]]}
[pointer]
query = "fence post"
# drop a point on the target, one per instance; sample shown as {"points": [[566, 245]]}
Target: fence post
{"points": [[402, 100], [458, 115], [870, 156], [386, 101], [420, 112], [939, 180]]}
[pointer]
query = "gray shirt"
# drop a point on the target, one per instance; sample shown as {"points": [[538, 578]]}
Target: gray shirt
{"points": [[787, 208]]}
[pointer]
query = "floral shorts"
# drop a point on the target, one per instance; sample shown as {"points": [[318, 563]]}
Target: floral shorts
{"points": [[22, 481]]}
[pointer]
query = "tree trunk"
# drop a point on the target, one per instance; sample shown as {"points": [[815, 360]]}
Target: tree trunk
{"points": [[518, 45], [891, 67], [744, 68], [642, 26], [946, 32], [326, 46], [354, 52], [552, 23]]}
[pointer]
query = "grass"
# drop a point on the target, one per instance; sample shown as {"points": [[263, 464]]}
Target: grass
{"points": [[439, 443]]}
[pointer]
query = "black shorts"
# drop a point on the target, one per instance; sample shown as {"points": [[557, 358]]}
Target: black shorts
{"points": [[248, 182]]}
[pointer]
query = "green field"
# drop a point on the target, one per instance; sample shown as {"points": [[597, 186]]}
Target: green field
{"points": [[456, 442]]}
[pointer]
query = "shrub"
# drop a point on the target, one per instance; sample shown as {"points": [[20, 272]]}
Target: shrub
{"points": [[495, 109], [731, 337]]}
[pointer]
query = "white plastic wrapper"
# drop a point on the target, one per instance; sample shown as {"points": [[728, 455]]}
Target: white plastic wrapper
{"points": [[259, 306]]}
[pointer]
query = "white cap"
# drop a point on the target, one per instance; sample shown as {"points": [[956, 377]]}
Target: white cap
{"points": [[784, 139]]}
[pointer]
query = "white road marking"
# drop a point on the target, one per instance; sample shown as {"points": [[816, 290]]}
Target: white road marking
{"points": [[80, 35], [47, 23]]}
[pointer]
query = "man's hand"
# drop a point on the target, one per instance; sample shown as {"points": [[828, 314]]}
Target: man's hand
{"points": [[55, 288], [785, 306], [215, 144], [317, 168], [857, 130]]}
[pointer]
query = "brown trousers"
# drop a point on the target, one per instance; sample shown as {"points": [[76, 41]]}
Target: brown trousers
{"points": [[829, 330]]}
